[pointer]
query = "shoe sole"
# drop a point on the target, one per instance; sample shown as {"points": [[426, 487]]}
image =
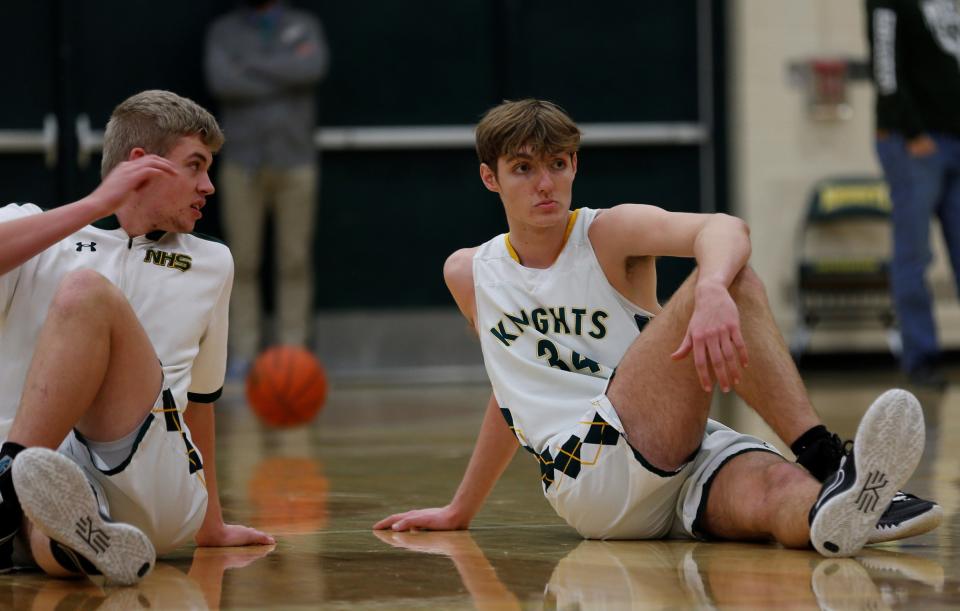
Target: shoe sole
{"points": [[57, 498], [887, 449]]}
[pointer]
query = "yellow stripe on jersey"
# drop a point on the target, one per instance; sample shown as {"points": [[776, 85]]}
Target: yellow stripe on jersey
{"points": [[513, 253], [571, 221]]}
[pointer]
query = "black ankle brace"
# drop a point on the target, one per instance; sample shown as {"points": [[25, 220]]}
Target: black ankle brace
{"points": [[807, 439], [819, 451]]}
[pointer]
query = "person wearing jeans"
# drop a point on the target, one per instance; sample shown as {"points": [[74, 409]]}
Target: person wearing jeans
{"points": [[915, 57]]}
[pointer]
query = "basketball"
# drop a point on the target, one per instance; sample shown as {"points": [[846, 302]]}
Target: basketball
{"points": [[286, 386]]}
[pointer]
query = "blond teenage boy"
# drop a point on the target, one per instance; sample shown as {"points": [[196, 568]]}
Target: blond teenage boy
{"points": [[113, 326]]}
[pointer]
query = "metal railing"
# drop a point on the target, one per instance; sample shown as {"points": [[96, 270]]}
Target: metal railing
{"points": [[462, 136], [420, 137], [412, 137], [45, 140]]}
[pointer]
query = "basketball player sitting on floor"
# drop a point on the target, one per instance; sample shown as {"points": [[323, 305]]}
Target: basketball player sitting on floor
{"points": [[611, 392], [113, 326]]}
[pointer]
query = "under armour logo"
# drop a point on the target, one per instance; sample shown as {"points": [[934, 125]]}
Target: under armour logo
{"points": [[868, 497], [92, 246], [98, 540]]}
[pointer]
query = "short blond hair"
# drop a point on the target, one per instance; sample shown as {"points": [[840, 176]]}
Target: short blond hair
{"points": [[539, 125], [155, 120]]}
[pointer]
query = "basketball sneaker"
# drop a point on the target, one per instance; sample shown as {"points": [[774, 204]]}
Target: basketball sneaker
{"points": [[11, 516], [907, 515], [58, 499], [886, 450]]}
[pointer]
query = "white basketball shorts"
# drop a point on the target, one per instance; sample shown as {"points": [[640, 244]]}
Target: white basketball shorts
{"points": [[605, 489], [160, 487]]}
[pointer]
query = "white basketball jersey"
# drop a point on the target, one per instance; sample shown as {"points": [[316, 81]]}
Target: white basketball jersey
{"points": [[551, 337], [177, 284]]}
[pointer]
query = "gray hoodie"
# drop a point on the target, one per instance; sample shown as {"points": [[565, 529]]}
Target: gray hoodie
{"points": [[263, 67]]}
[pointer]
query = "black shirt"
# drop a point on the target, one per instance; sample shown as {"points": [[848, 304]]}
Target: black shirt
{"points": [[915, 61]]}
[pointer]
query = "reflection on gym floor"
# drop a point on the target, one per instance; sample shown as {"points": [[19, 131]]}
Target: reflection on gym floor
{"points": [[374, 451]]}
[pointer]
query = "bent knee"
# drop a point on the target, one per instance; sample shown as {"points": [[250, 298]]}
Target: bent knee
{"points": [[782, 475], [748, 285], [84, 282], [83, 288]]}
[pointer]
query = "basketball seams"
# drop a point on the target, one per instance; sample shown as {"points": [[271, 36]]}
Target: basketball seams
{"points": [[287, 368], [317, 379], [284, 360], [280, 384]]}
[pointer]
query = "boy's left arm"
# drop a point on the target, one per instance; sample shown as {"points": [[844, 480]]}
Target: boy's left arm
{"points": [[206, 385], [214, 532], [721, 246]]}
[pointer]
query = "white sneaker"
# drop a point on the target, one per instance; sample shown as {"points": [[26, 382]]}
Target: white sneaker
{"points": [[886, 450], [58, 499]]}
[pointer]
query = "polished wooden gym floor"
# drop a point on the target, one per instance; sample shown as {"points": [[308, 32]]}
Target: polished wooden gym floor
{"points": [[378, 450]]}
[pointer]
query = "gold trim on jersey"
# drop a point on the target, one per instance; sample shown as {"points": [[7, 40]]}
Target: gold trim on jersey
{"points": [[192, 454], [571, 221], [513, 253]]}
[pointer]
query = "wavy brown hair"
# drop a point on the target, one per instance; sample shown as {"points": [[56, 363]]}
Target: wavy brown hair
{"points": [[537, 125]]}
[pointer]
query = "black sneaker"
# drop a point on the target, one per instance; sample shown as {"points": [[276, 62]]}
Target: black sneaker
{"points": [[57, 498], [10, 519], [71, 560], [6, 553], [907, 516], [886, 450]]}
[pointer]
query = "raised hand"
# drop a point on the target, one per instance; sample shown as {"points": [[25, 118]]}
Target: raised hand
{"points": [[921, 146], [126, 181]]}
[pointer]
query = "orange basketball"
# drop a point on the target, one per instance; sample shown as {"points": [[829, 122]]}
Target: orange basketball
{"points": [[286, 386]]}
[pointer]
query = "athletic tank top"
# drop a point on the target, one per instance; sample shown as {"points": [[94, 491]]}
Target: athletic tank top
{"points": [[551, 338]]}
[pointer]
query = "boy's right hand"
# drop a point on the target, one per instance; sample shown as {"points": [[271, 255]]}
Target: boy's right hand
{"points": [[435, 518], [921, 146], [126, 182]]}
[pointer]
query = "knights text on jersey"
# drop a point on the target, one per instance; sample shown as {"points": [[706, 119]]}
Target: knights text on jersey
{"points": [[550, 337], [177, 284]]}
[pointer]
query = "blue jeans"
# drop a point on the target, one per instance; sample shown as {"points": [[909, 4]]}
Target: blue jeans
{"points": [[920, 187]]}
